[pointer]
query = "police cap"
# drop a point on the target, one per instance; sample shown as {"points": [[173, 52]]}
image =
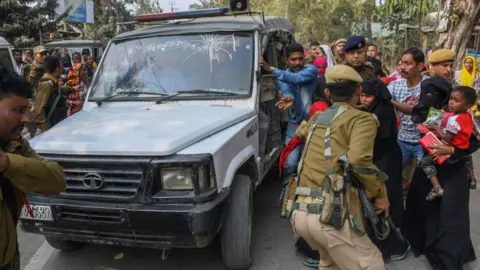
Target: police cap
{"points": [[342, 40], [442, 55], [39, 49], [341, 74], [354, 43]]}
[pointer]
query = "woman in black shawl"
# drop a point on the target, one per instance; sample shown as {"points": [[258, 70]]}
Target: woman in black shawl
{"points": [[440, 229], [387, 156]]}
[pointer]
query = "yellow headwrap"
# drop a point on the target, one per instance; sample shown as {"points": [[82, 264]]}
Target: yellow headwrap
{"points": [[466, 78]]}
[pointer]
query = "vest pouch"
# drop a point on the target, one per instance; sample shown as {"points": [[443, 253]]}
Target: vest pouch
{"points": [[334, 209], [288, 196]]}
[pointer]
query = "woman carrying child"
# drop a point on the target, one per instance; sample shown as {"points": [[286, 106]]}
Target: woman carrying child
{"points": [[455, 129], [440, 229]]}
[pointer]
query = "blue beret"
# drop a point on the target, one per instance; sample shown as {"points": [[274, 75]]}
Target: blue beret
{"points": [[354, 43]]}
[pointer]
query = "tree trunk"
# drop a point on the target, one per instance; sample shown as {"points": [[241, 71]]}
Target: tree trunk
{"points": [[369, 12], [459, 30]]}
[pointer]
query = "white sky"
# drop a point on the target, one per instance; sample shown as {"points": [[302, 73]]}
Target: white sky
{"points": [[177, 4]]}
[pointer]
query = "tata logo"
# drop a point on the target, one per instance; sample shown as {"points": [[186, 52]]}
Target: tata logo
{"points": [[92, 181]]}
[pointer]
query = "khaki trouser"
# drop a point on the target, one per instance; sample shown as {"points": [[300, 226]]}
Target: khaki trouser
{"points": [[339, 249]]}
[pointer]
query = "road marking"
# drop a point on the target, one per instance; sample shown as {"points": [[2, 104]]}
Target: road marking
{"points": [[40, 258]]}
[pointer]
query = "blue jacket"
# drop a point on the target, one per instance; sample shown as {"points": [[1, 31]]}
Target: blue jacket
{"points": [[299, 86]]}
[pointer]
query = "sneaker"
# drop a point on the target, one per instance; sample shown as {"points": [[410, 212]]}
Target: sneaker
{"points": [[435, 193], [312, 263]]}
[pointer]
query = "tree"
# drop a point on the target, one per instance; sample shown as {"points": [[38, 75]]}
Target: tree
{"points": [[23, 22], [457, 23], [204, 4]]}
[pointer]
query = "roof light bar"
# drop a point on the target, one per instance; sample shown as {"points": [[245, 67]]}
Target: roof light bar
{"points": [[189, 14]]}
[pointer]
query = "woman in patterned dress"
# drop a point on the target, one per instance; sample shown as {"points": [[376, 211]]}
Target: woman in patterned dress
{"points": [[77, 76]]}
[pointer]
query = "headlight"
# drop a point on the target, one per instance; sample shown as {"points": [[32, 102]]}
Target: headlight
{"points": [[177, 178]]}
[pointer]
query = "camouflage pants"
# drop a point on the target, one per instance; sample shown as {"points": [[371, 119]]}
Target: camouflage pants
{"points": [[14, 264], [428, 166]]}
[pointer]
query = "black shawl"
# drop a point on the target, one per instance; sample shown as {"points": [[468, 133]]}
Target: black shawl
{"points": [[382, 106], [435, 93]]}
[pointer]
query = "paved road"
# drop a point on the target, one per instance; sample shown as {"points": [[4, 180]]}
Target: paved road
{"points": [[272, 246]]}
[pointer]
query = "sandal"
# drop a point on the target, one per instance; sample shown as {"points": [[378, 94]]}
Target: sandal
{"points": [[435, 193], [312, 263], [401, 256]]}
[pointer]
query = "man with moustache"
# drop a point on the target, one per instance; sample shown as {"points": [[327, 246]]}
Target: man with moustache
{"points": [[22, 171], [355, 54], [296, 84], [405, 95]]}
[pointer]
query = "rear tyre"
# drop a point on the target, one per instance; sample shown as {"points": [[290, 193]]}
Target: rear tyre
{"points": [[64, 245], [237, 227]]}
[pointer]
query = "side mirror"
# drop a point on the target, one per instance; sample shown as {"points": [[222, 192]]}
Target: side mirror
{"points": [[268, 87]]}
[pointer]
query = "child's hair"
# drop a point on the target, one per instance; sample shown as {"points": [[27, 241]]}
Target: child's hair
{"points": [[468, 93]]}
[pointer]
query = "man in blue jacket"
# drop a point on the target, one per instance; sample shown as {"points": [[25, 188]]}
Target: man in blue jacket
{"points": [[296, 84]]}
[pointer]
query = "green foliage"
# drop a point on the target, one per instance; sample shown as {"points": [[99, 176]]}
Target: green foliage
{"points": [[23, 21]]}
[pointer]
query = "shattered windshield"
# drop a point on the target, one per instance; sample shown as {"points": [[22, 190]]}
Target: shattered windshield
{"points": [[213, 62]]}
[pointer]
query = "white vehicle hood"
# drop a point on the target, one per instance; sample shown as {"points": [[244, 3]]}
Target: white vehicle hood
{"points": [[140, 130]]}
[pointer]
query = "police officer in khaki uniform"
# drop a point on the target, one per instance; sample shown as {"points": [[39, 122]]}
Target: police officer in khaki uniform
{"points": [[352, 133], [50, 101], [21, 170], [441, 65], [338, 52], [356, 54], [33, 72]]}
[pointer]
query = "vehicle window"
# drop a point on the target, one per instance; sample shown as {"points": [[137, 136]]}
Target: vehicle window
{"points": [[168, 64], [5, 59]]}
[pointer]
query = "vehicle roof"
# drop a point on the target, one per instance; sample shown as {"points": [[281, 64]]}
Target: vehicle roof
{"points": [[73, 42], [3, 41], [214, 24]]}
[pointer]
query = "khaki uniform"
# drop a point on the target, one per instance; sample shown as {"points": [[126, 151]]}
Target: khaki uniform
{"points": [[33, 73], [340, 60], [44, 100], [366, 71], [28, 172], [352, 133]]}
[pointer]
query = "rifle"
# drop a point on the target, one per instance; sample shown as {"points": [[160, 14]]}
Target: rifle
{"points": [[369, 211]]}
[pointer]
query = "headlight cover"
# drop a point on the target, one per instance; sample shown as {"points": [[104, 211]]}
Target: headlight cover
{"points": [[177, 178]]}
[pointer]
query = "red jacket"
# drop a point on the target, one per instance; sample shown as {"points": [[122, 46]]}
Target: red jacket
{"points": [[319, 106]]}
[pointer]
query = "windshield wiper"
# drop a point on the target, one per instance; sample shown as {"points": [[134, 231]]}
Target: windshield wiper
{"points": [[127, 93], [203, 91]]}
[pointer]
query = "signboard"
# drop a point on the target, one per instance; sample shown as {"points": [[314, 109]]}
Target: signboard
{"points": [[81, 12]]}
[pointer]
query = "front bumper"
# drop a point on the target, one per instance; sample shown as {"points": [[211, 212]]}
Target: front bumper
{"points": [[140, 225]]}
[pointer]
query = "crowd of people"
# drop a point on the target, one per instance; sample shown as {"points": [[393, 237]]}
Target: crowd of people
{"points": [[344, 106], [57, 94]]}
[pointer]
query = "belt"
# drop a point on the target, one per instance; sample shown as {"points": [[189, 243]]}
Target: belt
{"points": [[311, 208]]}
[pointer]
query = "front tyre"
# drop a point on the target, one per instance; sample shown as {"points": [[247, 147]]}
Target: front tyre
{"points": [[237, 227]]}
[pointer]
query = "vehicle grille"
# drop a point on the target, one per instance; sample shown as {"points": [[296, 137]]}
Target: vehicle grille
{"points": [[121, 176], [75, 214]]}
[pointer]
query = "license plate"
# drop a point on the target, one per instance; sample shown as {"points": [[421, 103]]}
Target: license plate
{"points": [[40, 212]]}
